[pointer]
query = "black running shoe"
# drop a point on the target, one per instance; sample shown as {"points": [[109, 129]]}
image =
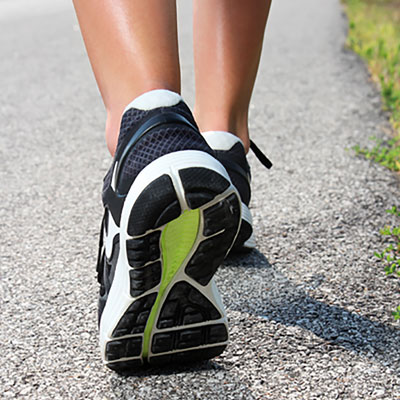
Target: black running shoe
{"points": [[171, 216], [229, 150]]}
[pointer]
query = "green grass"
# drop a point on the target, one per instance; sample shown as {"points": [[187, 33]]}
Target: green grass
{"points": [[390, 256], [384, 152], [374, 33]]}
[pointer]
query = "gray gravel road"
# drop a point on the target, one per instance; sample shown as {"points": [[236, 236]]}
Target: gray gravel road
{"points": [[309, 311]]}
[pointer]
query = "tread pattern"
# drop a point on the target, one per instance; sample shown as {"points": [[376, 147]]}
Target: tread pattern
{"points": [[144, 279], [185, 305], [130, 347], [211, 252], [201, 185], [156, 205], [135, 318], [143, 250], [188, 338]]}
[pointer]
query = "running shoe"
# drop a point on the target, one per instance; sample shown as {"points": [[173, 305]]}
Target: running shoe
{"points": [[171, 216], [230, 151]]}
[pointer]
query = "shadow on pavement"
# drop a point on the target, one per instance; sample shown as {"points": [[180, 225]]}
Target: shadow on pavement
{"points": [[274, 298]]}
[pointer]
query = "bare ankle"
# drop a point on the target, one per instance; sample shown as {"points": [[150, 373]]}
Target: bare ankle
{"points": [[219, 121], [112, 130]]}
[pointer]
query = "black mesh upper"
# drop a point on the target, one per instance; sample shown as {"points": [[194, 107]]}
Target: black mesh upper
{"points": [[159, 141], [237, 156], [130, 120], [134, 118], [241, 184]]}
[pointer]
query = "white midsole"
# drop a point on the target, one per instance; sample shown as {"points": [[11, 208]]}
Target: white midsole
{"points": [[246, 214], [250, 243], [119, 298]]}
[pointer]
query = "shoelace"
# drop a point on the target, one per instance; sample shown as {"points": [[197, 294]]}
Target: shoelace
{"points": [[260, 155]]}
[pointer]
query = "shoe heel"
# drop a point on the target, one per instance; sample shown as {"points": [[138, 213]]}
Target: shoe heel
{"points": [[174, 235]]}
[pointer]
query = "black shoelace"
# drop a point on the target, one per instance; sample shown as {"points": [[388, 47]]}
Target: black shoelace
{"points": [[260, 155]]}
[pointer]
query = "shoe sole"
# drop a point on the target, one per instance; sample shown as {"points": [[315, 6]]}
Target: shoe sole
{"points": [[178, 223], [245, 241]]}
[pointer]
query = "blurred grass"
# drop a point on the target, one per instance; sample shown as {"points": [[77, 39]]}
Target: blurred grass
{"points": [[374, 33]]}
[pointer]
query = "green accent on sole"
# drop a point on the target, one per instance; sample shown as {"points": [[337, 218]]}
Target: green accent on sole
{"points": [[177, 239]]}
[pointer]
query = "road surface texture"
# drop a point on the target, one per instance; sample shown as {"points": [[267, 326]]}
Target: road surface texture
{"points": [[309, 310]]}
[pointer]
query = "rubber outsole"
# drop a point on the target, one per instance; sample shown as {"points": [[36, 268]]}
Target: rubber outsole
{"points": [[245, 233], [179, 230], [245, 241]]}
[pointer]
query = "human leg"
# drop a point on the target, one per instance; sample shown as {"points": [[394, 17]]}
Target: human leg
{"points": [[228, 36], [171, 212], [133, 48]]}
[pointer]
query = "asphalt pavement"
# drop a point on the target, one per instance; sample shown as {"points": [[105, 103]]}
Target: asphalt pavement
{"points": [[309, 310]]}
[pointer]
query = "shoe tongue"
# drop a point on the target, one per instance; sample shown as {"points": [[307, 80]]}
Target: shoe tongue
{"points": [[155, 99], [221, 140]]}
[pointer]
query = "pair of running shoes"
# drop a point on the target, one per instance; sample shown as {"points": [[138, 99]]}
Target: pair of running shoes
{"points": [[176, 202]]}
